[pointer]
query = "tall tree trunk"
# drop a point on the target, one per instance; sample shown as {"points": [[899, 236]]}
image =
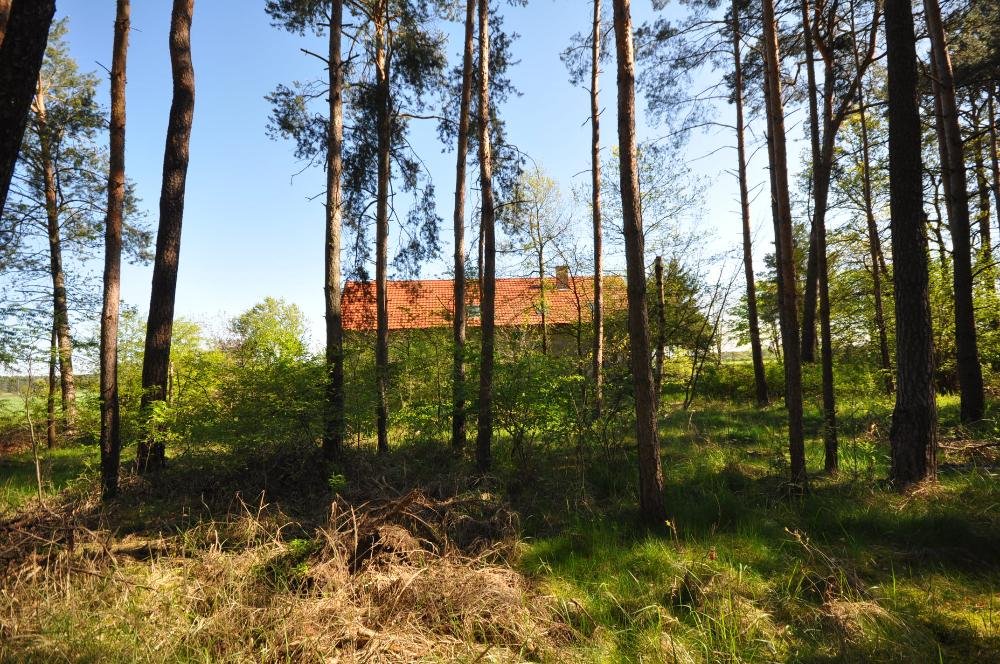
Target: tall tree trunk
{"points": [[458, 418], [50, 400], [484, 433], [542, 296], [874, 244], [111, 444], [970, 375], [983, 216], [21, 52], [151, 453], [60, 305], [480, 256], [652, 507], [382, 228], [913, 435], [756, 351], [826, 336], [785, 249], [333, 437], [822, 189], [776, 219], [817, 266], [595, 203], [812, 262], [995, 154], [661, 327]]}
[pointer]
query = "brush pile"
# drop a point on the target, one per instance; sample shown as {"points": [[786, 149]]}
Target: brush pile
{"points": [[396, 579]]}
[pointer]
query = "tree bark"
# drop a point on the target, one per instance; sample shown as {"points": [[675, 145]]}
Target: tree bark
{"points": [[785, 249], [541, 287], [985, 258], [458, 417], [913, 435], [652, 506], [595, 202], [821, 190], [151, 453], [50, 400], [756, 351], [874, 246], [970, 376], [995, 154], [333, 438], [21, 52], [826, 336], [484, 433], [661, 328], [812, 263], [111, 444], [382, 227], [60, 305]]}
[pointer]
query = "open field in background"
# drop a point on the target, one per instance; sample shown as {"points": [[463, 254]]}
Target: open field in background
{"points": [[235, 554]]}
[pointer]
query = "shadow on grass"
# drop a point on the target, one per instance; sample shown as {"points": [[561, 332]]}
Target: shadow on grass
{"points": [[744, 571]]}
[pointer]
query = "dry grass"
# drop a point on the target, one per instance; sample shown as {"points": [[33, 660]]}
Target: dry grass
{"points": [[391, 580]]}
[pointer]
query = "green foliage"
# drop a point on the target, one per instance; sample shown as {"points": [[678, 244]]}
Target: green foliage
{"points": [[538, 401], [337, 482], [66, 131], [288, 570], [416, 59]]}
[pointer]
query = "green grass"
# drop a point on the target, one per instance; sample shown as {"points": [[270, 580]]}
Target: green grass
{"points": [[60, 467], [744, 570]]}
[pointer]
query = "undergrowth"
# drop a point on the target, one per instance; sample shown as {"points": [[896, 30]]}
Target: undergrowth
{"points": [[267, 554]]}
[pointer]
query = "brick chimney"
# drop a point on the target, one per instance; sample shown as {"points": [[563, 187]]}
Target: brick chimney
{"points": [[562, 277]]}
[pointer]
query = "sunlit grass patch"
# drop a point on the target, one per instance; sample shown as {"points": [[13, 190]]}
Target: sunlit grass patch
{"points": [[60, 467]]}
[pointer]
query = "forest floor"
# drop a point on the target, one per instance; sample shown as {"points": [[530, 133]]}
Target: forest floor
{"points": [[264, 555]]}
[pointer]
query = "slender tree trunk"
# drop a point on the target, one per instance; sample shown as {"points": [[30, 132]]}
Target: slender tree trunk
{"points": [[151, 454], [874, 244], [541, 289], [995, 154], [822, 189], [785, 249], [458, 418], [382, 228], [829, 397], [22, 49], [817, 269], [480, 256], [60, 305], [333, 438], [50, 401], [913, 435], [776, 219], [484, 434], [970, 374], [756, 351], [595, 202], [812, 262], [983, 216], [111, 444], [661, 328], [935, 227], [652, 507]]}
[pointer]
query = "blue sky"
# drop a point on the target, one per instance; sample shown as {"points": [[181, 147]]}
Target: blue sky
{"points": [[250, 228]]}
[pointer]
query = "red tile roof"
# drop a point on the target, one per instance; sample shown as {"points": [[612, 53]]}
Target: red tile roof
{"points": [[429, 303]]}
